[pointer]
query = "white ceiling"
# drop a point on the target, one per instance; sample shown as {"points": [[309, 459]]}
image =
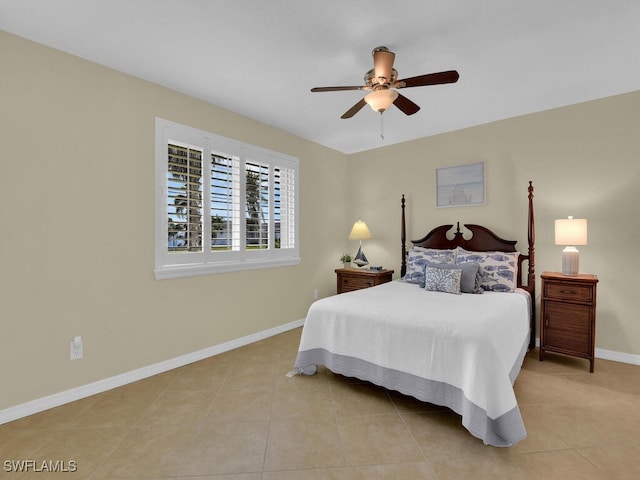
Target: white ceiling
{"points": [[260, 58]]}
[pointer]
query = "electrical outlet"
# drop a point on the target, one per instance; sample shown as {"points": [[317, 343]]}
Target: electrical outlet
{"points": [[76, 348], [315, 294]]}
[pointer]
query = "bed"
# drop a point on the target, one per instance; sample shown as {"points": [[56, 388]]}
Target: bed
{"points": [[455, 337]]}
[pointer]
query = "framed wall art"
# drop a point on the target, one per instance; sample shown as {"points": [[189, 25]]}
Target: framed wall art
{"points": [[461, 185]]}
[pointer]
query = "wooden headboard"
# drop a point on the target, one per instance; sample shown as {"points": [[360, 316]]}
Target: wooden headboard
{"points": [[483, 240]]}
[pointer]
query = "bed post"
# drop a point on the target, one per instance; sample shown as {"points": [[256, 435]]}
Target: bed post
{"points": [[531, 277], [403, 239], [532, 238]]}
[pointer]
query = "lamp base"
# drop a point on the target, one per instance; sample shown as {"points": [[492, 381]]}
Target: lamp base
{"points": [[360, 260], [570, 261]]}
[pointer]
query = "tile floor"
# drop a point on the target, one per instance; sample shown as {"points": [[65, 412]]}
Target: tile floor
{"points": [[237, 416]]}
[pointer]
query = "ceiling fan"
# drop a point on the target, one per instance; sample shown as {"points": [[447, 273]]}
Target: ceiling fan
{"points": [[382, 81]]}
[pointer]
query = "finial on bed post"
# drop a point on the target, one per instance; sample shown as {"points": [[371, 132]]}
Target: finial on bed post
{"points": [[403, 239]]}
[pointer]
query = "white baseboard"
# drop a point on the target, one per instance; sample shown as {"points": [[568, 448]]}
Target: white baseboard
{"points": [[617, 356], [57, 399], [611, 355]]}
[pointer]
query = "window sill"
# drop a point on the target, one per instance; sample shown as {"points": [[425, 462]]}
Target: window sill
{"points": [[192, 270]]}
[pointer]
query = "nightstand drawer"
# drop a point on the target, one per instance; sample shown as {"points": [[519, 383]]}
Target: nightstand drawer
{"points": [[350, 279], [569, 291], [354, 282]]}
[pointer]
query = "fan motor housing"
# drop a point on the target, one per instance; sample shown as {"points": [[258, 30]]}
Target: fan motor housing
{"points": [[370, 79]]}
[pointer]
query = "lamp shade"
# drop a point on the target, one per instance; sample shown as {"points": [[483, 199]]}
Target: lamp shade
{"points": [[360, 231], [380, 100], [571, 231]]}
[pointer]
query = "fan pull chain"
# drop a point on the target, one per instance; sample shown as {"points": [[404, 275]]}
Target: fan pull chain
{"points": [[381, 127]]}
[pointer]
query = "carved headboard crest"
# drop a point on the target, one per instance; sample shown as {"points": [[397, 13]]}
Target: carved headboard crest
{"points": [[482, 239]]}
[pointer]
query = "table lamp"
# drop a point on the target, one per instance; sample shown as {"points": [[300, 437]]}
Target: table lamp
{"points": [[570, 232], [360, 231]]}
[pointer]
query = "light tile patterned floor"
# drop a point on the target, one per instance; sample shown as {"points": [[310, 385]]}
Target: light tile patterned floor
{"points": [[237, 416]]}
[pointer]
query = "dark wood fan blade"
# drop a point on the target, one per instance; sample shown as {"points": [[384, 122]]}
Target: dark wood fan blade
{"points": [[335, 89], [355, 109], [450, 76], [406, 105]]}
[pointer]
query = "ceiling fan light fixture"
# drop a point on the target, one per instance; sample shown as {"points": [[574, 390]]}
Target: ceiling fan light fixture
{"points": [[382, 81], [380, 100]]}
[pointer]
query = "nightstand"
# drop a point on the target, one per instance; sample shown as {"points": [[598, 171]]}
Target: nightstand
{"points": [[568, 315], [350, 279]]}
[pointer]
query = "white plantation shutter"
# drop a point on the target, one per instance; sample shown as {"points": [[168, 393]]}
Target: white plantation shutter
{"points": [[284, 208], [184, 199], [221, 205], [225, 203], [257, 215]]}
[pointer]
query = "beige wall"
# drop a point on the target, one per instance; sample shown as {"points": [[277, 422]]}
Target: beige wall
{"points": [[76, 217], [584, 161], [77, 228]]}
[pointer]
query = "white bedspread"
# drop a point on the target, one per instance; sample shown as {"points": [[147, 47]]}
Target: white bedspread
{"points": [[397, 334]]}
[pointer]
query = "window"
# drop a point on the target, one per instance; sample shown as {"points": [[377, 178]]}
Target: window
{"points": [[221, 205]]}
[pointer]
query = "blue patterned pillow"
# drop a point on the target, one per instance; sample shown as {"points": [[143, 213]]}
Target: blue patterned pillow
{"points": [[418, 257], [498, 270], [445, 280]]}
